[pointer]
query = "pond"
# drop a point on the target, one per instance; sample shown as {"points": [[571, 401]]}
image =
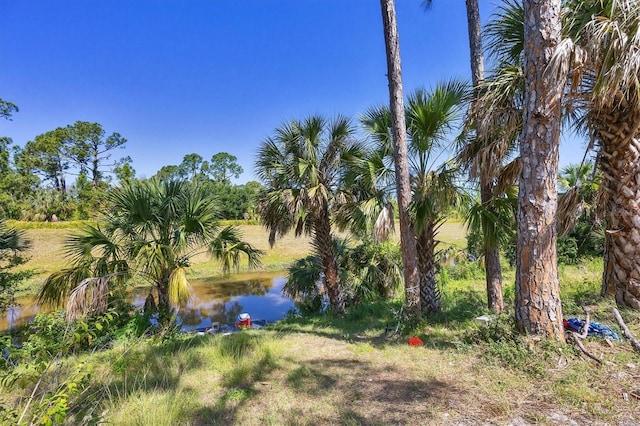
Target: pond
{"points": [[212, 300]]}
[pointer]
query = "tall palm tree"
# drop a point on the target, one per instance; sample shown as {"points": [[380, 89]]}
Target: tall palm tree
{"points": [[486, 167], [152, 229], [430, 117], [398, 130], [475, 42], [302, 167], [601, 45]]}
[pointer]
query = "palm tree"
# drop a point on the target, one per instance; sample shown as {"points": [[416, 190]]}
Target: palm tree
{"points": [[152, 229], [575, 175], [398, 130], [486, 166], [600, 49], [302, 168], [368, 271], [429, 117], [483, 157]]}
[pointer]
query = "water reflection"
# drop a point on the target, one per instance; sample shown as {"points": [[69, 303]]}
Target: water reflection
{"points": [[213, 300], [24, 311]]}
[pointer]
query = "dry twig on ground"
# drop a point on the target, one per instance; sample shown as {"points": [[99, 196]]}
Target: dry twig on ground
{"points": [[625, 330], [578, 340]]}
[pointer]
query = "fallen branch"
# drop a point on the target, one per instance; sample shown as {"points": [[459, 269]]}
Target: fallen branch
{"points": [[585, 328], [578, 341], [625, 330]]}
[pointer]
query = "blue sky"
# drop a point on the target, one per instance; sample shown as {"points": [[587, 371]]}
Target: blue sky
{"points": [[206, 76]]}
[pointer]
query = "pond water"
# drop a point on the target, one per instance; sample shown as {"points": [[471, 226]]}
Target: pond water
{"points": [[212, 300]]}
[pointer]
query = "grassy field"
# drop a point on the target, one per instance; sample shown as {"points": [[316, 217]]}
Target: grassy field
{"points": [[352, 369], [47, 249]]}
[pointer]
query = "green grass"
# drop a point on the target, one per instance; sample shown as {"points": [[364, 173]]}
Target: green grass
{"points": [[353, 369], [18, 224]]}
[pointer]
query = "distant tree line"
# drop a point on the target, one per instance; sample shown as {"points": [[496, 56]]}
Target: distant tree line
{"points": [[234, 201], [65, 173]]}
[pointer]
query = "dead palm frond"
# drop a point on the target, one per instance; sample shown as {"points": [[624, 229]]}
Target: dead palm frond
{"points": [[508, 176], [179, 288], [90, 297], [570, 208]]}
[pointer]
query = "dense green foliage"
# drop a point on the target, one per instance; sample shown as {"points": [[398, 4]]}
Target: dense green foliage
{"points": [[369, 271], [12, 246], [35, 179]]}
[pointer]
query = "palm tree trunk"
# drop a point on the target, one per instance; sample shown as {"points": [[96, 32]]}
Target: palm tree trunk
{"points": [[403, 186], [325, 247], [537, 292], [430, 298], [619, 136], [164, 306]]}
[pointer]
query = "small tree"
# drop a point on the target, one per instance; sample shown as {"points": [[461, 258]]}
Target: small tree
{"points": [[151, 229]]}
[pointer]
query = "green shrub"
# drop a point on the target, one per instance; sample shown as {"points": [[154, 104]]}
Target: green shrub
{"points": [[506, 347], [466, 270], [567, 250], [368, 272]]}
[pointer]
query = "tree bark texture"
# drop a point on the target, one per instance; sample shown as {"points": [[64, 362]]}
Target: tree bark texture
{"points": [[618, 132], [430, 298], [475, 42], [324, 244], [164, 306], [537, 292], [403, 186]]}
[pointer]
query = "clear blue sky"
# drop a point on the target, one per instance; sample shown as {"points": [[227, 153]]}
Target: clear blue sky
{"points": [[206, 76]]}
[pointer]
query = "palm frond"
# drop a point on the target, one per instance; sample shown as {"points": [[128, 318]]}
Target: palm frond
{"points": [[384, 224], [570, 207], [508, 176], [505, 32], [90, 297], [12, 239], [229, 248], [494, 220], [179, 288], [58, 285]]}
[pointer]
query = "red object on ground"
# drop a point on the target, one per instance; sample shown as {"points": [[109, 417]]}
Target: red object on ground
{"points": [[415, 341], [244, 321]]}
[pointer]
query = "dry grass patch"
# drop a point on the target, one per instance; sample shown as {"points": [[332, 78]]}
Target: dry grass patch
{"points": [[47, 250]]}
